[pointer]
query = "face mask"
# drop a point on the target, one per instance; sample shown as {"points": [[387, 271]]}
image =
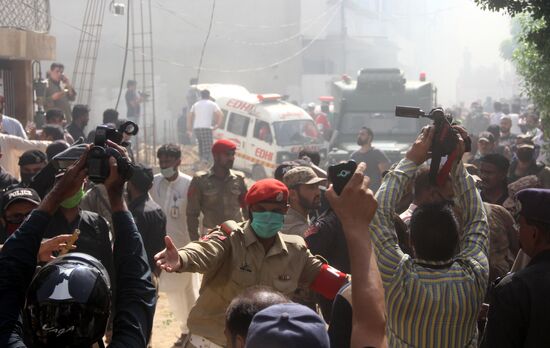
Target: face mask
{"points": [[73, 201], [266, 224], [26, 178], [168, 172]]}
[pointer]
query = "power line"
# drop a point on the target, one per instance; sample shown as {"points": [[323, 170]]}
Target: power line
{"points": [[206, 38], [243, 70], [307, 25]]}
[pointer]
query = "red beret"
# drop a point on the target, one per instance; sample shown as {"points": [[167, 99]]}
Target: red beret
{"points": [[223, 145], [267, 190]]}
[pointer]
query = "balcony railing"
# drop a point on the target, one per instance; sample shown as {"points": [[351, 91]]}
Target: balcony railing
{"points": [[32, 15]]}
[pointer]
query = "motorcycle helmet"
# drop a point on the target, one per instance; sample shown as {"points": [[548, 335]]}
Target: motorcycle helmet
{"points": [[68, 303]]}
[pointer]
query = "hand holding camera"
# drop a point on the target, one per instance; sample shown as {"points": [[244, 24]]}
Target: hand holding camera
{"points": [[106, 145], [447, 140], [420, 149]]}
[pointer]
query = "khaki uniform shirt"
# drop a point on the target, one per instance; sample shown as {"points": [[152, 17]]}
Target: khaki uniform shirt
{"points": [[232, 263], [503, 241], [295, 223], [218, 199]]}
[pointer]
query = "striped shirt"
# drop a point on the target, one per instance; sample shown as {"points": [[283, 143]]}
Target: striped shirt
{"points": [[432, 307]]}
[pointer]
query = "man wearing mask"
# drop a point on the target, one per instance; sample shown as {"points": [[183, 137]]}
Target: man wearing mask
{"points": [[304, 196], [376, 160], [94, 229], [16, 205], [237, 256], [30, 163], [218, 193], [169, 190]]}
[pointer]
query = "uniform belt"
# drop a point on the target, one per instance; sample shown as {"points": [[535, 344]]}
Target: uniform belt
{"points": [[201, 342]]}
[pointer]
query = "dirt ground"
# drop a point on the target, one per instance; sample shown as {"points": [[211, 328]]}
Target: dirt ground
{"points": [[166, 329]]}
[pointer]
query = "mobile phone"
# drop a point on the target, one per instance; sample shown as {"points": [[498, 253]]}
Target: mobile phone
{"points": [[340, 174]]}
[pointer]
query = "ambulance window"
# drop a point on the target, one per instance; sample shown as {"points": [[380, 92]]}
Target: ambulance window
{"points": [[263, 132], [238, 124]]}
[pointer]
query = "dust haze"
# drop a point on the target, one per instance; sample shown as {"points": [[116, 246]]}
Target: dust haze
{"points": [[297, 47]]}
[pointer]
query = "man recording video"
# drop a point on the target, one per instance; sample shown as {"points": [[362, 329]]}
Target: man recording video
{"points": [[443, 287], [66, 303]]}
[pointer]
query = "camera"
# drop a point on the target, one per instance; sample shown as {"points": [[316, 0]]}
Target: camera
{"points": [[445, 139], [98, 156]]}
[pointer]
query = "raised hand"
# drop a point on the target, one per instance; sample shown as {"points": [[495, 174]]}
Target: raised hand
{"points": [[169, 259]]}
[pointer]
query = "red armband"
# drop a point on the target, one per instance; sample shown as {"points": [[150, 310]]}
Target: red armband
{"points": [[329, 281]]}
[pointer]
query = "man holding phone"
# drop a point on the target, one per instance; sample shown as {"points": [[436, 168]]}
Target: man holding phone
{"points": [[59, 92]]}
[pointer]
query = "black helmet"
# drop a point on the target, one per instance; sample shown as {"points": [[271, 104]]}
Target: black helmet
{"points": [[68, 303]]}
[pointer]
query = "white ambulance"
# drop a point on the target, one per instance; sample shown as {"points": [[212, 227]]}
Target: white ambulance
{"points": [[266, 129]]}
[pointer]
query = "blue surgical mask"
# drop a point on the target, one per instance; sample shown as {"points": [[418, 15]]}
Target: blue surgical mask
{"points": [[266, 224]]}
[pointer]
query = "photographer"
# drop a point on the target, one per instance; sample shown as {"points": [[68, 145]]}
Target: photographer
{"points": [[69, 326], [419, 286]]}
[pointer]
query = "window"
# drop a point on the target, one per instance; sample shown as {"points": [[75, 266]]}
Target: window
{"points": [[296, 132], [238, 124], [263, 132]]}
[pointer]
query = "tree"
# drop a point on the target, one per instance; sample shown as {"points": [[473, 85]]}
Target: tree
{"points": [[531, 54]]}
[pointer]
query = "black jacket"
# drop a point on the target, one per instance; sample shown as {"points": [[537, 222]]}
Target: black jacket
{"points": [[135, 297], [93, 239], [151, 224], [6, 179], [519, 315], [325, 237]]}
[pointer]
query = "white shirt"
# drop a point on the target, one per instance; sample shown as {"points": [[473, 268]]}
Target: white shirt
{"points": [[204, 111], [13, 147], [172, 198], [12, 126]]}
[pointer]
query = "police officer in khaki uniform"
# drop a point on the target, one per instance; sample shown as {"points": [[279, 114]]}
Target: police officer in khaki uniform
{"points": [[237, 256], [217, 193]]}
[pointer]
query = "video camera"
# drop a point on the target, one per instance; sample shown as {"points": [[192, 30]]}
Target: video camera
{"points": [[98, 156], [445, 139]]}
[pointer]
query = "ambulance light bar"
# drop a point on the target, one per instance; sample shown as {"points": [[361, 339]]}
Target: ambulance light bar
{"points": [[271, 97]]}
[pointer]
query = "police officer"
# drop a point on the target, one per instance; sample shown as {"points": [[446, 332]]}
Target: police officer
{"points": [[217, 193], [237, 256]]}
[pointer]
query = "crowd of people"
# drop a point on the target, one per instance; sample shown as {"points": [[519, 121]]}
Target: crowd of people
{"points": [[400, 258]]}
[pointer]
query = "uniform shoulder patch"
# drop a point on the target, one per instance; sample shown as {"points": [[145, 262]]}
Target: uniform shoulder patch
{"points": [[229, 226], [201, 173], [238, 173], [298, 241]]}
